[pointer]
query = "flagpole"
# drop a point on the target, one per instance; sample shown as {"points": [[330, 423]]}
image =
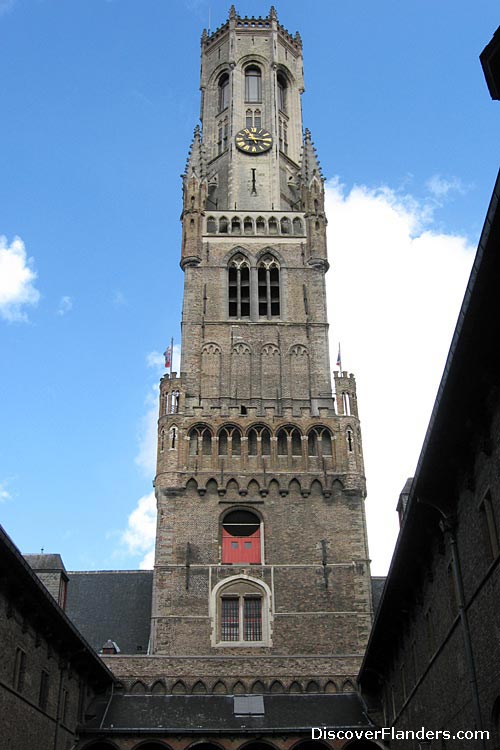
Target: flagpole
{"points": [[171, 354]]}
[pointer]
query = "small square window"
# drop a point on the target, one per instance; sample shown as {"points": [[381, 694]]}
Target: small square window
{"points": [[234, 545], [248, 545]]}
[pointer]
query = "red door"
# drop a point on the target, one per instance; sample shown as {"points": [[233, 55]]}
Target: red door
{"points": [[240, 549]]}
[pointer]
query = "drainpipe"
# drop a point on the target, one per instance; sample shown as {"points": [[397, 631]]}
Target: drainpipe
{"points": [[447, 525]]}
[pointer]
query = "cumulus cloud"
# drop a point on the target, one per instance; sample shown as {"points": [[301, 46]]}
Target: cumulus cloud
{"points": [[395, 289], [65, 305], [139, 536], [17, 279]]}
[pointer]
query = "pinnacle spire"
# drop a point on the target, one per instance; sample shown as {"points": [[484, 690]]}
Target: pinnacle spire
{"points": [[196, 162], [310, 165]]}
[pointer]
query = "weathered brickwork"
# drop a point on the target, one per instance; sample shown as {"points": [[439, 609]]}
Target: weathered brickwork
{"points": [[251, 423]]}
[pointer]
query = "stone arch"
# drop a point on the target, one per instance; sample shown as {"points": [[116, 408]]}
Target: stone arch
{"points": [[258, 688], [138, 688], [312, 687], [100, 745], [211, 358], [199, 688], [219, 688], [197, 745], [295, 687], [179, 688], [158, 688], [212, 486], [276, 687], [152, 745], [348, 687], [239, 688], [191, 485], [253, 488], [316, 488], [331, 687], [274, 487], [233, 488], [294, 487]]}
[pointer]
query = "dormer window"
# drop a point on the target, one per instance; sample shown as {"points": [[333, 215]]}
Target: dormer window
{"points": [[253, 84], [223, 91]]}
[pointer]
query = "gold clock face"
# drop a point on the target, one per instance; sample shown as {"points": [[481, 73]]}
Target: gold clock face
{"points": [[253, 141]]}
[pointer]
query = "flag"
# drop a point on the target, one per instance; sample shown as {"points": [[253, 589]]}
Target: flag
{"points": [[339, 360], [168, 356]]}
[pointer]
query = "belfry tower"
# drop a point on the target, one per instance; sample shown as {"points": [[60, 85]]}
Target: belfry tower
{"points": [[261, 551]]}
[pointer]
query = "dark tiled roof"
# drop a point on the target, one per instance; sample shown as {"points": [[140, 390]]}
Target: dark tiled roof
{"points": [[112, 605], [34, 601], [378, 583], [45, 562], [216, 713]]}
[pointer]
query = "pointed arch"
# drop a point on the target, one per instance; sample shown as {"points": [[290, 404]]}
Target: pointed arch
{"points": [[258, 688], [179, 688], [158, 688], [239, 688], [331, 687], [138, 688], [276, 687], [294, 487], [312, 687], [211, 358], [219, 688], [348, 687], [199, 688], [295, 687]]}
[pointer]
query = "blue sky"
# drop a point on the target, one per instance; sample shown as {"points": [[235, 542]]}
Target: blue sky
{"points": [[99, 101]]}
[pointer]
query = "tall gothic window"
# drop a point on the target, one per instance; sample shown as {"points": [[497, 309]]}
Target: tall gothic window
{"points": [[222, 137], [253, 118], [259, 441], [281, 80], [253, 84], [239, 287], [200, 441], [269, 287], [223, 91], [229, 441]]}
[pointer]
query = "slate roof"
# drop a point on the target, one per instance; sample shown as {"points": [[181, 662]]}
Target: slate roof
{"points": [[378, 583], [112, 605], [216, 713], [45, 561]]}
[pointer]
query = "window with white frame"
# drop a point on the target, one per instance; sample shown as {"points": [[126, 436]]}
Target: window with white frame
{"points": [[242, 613]]}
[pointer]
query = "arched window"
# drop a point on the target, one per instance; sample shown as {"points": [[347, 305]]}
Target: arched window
{"points": [[241, 537], [235, 225], [162, 440], [273, 226], [259, 441], [283, 135], [297, 226], [319, 442], [229, 441], [223, 134], [289, 441], [200, 441], [269, 287], [243, 612], [253, 118], [281, 80], [253, 84], [349, 440], [211, 225], [260, 225], [223, 91], [223, 225], [248, 225], [285, 225], [239, 287]]}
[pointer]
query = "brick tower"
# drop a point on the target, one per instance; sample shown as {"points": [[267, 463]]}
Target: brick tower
{"points": [[262, 578]]}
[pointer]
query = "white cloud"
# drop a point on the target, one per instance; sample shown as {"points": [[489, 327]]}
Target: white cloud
{"points": [[139, 537], [17, 279], [4, 493], [441, 187], [65, 305], [395, 289]]}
